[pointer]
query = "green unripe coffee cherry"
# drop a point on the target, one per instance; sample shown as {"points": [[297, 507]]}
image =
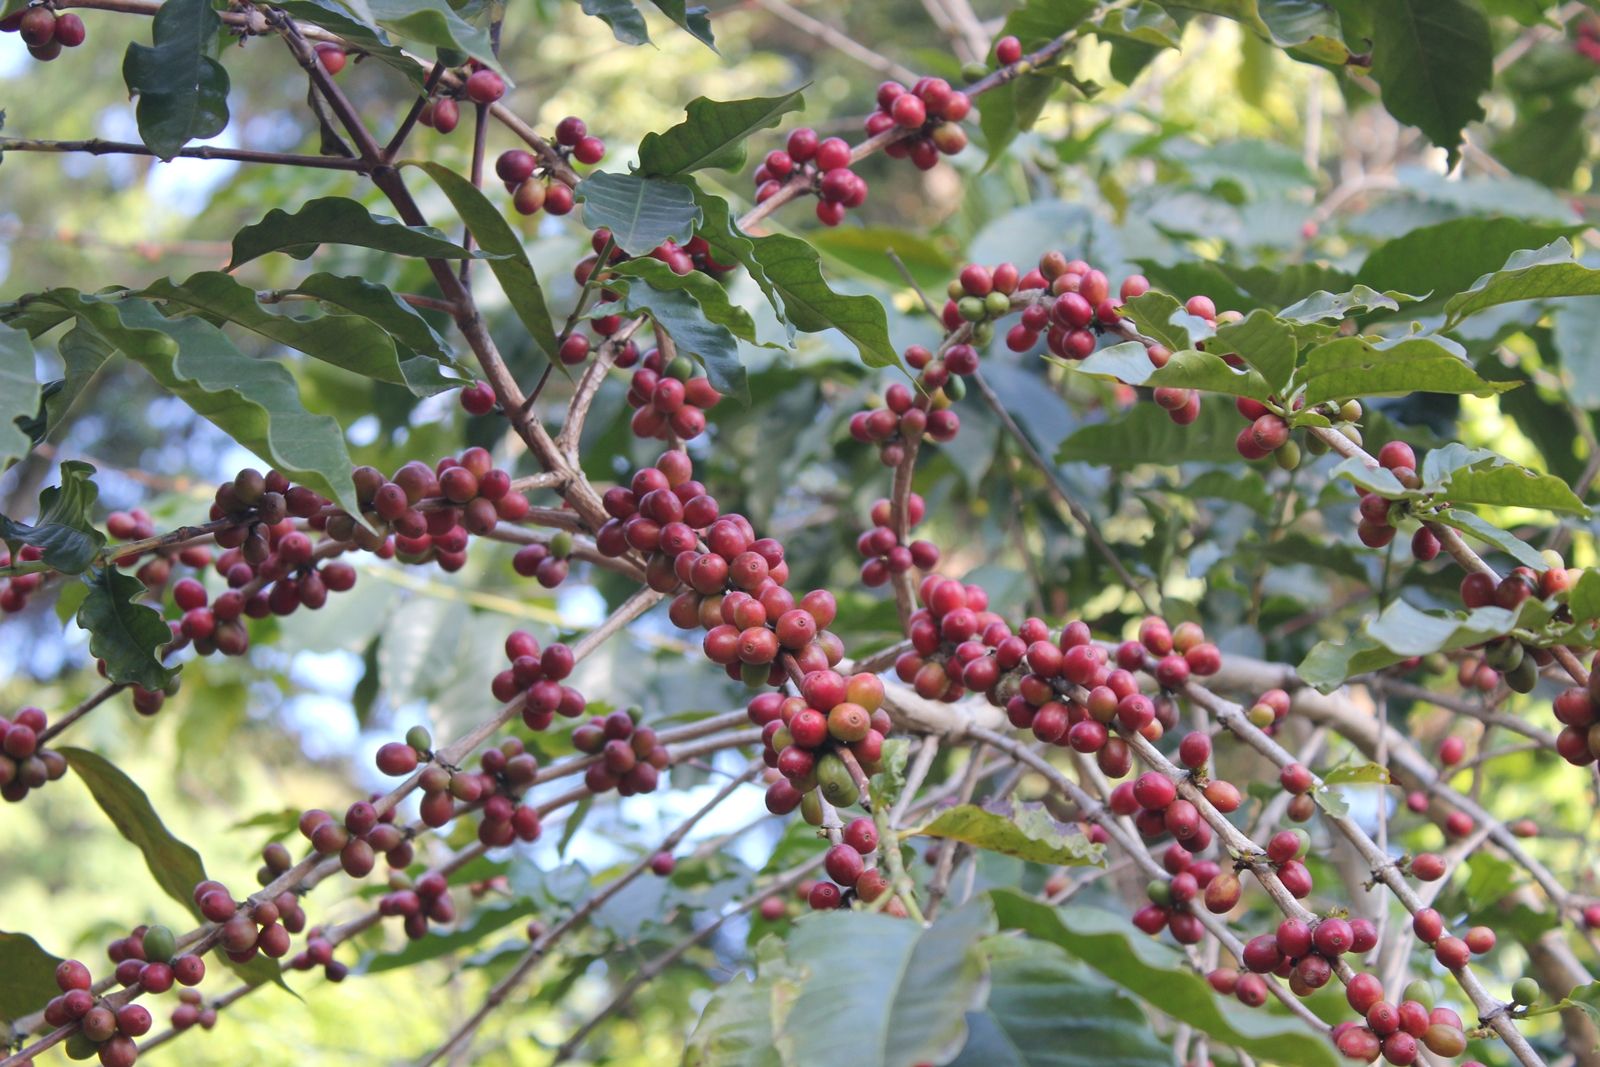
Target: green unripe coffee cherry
{"points": [[419, 738], [1524, 991], [681, 368], [159, 944], [982, 333], [1523, 677], [781, 739], [561, 545], [1316, 445], [1287, 457], [834, 781], [1160, 892], [997, 303], [1421, 991], [955, 290], [1261, 716], [1436, 663], [755, 675], [1503, 655], [811, 807], [1353, 433], [1553, 559], [80, 1047], [973, 72], [972, 308], [1350, 411], [956, 387]]}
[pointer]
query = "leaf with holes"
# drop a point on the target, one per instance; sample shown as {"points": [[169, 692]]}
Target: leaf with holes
{"points": [[182, 91], [1026, 831], [641, 213], [336, 220], [713, 136], [65, 532]]}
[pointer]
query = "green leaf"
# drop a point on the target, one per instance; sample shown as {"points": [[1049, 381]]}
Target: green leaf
{"points": [[1350, 367], [1011, 108], [123, 631], [909, 1006], [794, 271], [1308, 29], [867, 249], [352, 342], [1478, 476], [19, 393], [1323, 306], [1146, 435], [1489, 534], [1037, 994], [678, 313], [738, 1026], [1264, 342], [336, 220], [254, 401], [627, 24], [175, 866], [432, 22], [65, 531], [1584, 599], [1191, 369], [721, 232], [1573, 323], [1534, 274], [372, 301], [1432, 59], [27, 975], [1026, 831], [83, 353], [182, 91], [1447, 257], [713, 136], [508, 260], [696, 21], [1163, 319], [1159, 974], [707, 292], [1357, 774], [1038, 22], [1329, 664], [885, 786], [641, 213], [1409, 631]]}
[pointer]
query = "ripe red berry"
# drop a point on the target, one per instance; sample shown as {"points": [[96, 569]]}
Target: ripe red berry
{"points": [[1008, 50], [485, 86]]}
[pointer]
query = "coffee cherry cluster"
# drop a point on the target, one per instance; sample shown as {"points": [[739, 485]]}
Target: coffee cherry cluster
{"points": [[1172, 899], [1395, 1031], [851, 877], [825, 167], [506, 772], [809, 738], [907, 415], [104, 1029], [424, 901], [881, 550], [1269, 709], [441, 113], [1578, 711], [631, 756], [357, 841], [25, 764], [148, 958], [535, 675], [680, 259], [190, 1011], [476, 497], [264, 929], [546, 563], [533, 185], [14, 591], [1157, 809], [930, 113], [399, 758], [319, 953], [670, 399], [45, 33]]}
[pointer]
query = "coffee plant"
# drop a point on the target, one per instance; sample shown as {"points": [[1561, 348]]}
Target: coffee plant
{"points": [[1088, 563]]}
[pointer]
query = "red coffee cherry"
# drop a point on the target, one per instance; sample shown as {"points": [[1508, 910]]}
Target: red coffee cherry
{"points": [[484, 87]]}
